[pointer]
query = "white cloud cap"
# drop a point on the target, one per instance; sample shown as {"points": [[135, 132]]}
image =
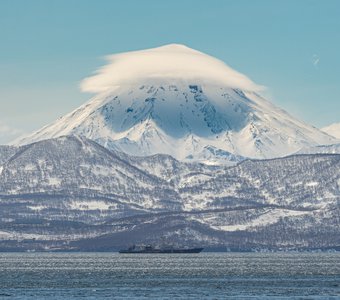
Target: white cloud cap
{"points": [[165, 64]]}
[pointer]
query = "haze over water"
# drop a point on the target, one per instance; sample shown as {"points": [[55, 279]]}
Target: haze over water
{"points": [[187, 276]]}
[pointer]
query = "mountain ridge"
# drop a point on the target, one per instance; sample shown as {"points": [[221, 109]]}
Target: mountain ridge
{"points": [[71, 192]]}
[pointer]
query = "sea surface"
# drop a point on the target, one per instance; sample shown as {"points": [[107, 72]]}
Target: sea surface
{"points": [[170, 276]]}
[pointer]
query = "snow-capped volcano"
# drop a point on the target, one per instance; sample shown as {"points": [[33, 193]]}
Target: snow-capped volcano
{"points": [[179, 101]]}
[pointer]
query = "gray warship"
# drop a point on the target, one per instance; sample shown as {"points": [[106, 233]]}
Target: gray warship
{"points": [[151, 249]]}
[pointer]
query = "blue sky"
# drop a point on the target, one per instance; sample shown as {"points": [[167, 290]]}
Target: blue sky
{"points": [[48, 47]]}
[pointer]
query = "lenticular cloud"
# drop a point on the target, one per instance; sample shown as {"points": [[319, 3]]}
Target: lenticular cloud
{"points": [[168, 64]]}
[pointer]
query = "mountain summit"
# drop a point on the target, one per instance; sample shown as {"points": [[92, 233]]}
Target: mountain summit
{"points": [[179, 101]]}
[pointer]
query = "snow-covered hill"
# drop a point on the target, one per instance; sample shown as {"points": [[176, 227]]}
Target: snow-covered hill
{"points": [[322, 149], [6, 152], [72, 190], [333, 130], [178, 101]]}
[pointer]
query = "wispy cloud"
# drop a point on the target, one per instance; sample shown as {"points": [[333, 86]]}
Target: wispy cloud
{"points": [[8, 133], [315, 60]]}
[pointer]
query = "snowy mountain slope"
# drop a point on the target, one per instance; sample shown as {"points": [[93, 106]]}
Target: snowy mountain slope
{"points": [[71, 188], [322, 149], [333, 130], [300, 181], [77, 166], [85, 167], [177, 101], [6, 152]]}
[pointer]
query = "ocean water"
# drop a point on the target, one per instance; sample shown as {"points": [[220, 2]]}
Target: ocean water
{"points": [[170, 276]]}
